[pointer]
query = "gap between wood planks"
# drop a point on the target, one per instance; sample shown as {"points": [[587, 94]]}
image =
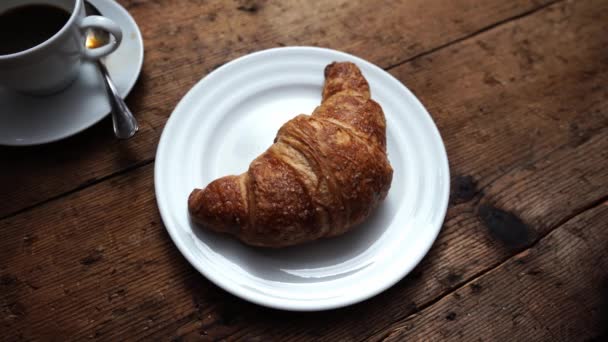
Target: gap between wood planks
{"points": [[479, 275], [583, 208], [80, 187], [407, 60], [472, 274], [531, 162], [474, 33]]}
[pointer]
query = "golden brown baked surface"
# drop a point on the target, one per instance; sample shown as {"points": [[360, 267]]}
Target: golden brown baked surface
{"points": [[323, 175]]}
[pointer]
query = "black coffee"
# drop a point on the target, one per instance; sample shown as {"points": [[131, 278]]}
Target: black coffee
{"points": [[24, 27]]}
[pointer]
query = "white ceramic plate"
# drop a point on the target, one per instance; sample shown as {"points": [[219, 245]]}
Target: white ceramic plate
{"points": [[29, 120], [232, 115]]}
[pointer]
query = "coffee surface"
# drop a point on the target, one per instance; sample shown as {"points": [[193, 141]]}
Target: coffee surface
{"points": [[24, 27]]}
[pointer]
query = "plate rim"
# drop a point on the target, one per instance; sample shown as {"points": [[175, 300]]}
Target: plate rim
{"points": [[298, 305]]}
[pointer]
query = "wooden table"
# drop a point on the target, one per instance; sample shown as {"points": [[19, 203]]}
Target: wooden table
{"points": [[519, 91]]}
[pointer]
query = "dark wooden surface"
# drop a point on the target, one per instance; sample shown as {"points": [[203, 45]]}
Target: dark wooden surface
{"points": [[519, 91]]}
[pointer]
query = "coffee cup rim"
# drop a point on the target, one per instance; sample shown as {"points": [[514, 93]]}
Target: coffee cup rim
{"points": [[51, 40]]}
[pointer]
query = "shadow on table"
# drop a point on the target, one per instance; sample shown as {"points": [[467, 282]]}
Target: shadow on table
{"points": [[236, 318], [30, 175], [89, 142]]}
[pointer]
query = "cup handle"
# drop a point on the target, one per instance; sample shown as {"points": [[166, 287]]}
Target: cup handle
{"points": [[103, 23]]}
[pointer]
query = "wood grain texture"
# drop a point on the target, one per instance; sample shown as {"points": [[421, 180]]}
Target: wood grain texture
{"points": [[555, 291], [492, 147], [522, 110], [185, 40]]}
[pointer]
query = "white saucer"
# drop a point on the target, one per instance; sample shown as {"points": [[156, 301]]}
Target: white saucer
{"points": [[27, 120], [233, 115]]}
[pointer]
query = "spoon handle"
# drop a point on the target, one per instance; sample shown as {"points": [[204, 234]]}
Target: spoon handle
{"points": [[125, 124]]}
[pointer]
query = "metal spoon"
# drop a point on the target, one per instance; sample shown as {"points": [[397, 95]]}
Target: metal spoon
{"points": [[125, 124]]}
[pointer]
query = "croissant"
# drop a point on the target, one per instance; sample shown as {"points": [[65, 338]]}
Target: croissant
{"points": [[324, 174]]}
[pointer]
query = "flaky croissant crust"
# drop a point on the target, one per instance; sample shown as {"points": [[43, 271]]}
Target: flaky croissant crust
{"points": [[324, 174]]}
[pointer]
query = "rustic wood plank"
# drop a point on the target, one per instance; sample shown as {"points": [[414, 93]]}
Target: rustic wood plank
{"points": [[123, 275], [532, 108], [83, 266], [555, 291], [472, 241], [69, 268], [185, 40]]}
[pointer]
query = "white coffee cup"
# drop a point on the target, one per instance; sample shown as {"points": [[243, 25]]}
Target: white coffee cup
{"points": [[52, 65]]}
